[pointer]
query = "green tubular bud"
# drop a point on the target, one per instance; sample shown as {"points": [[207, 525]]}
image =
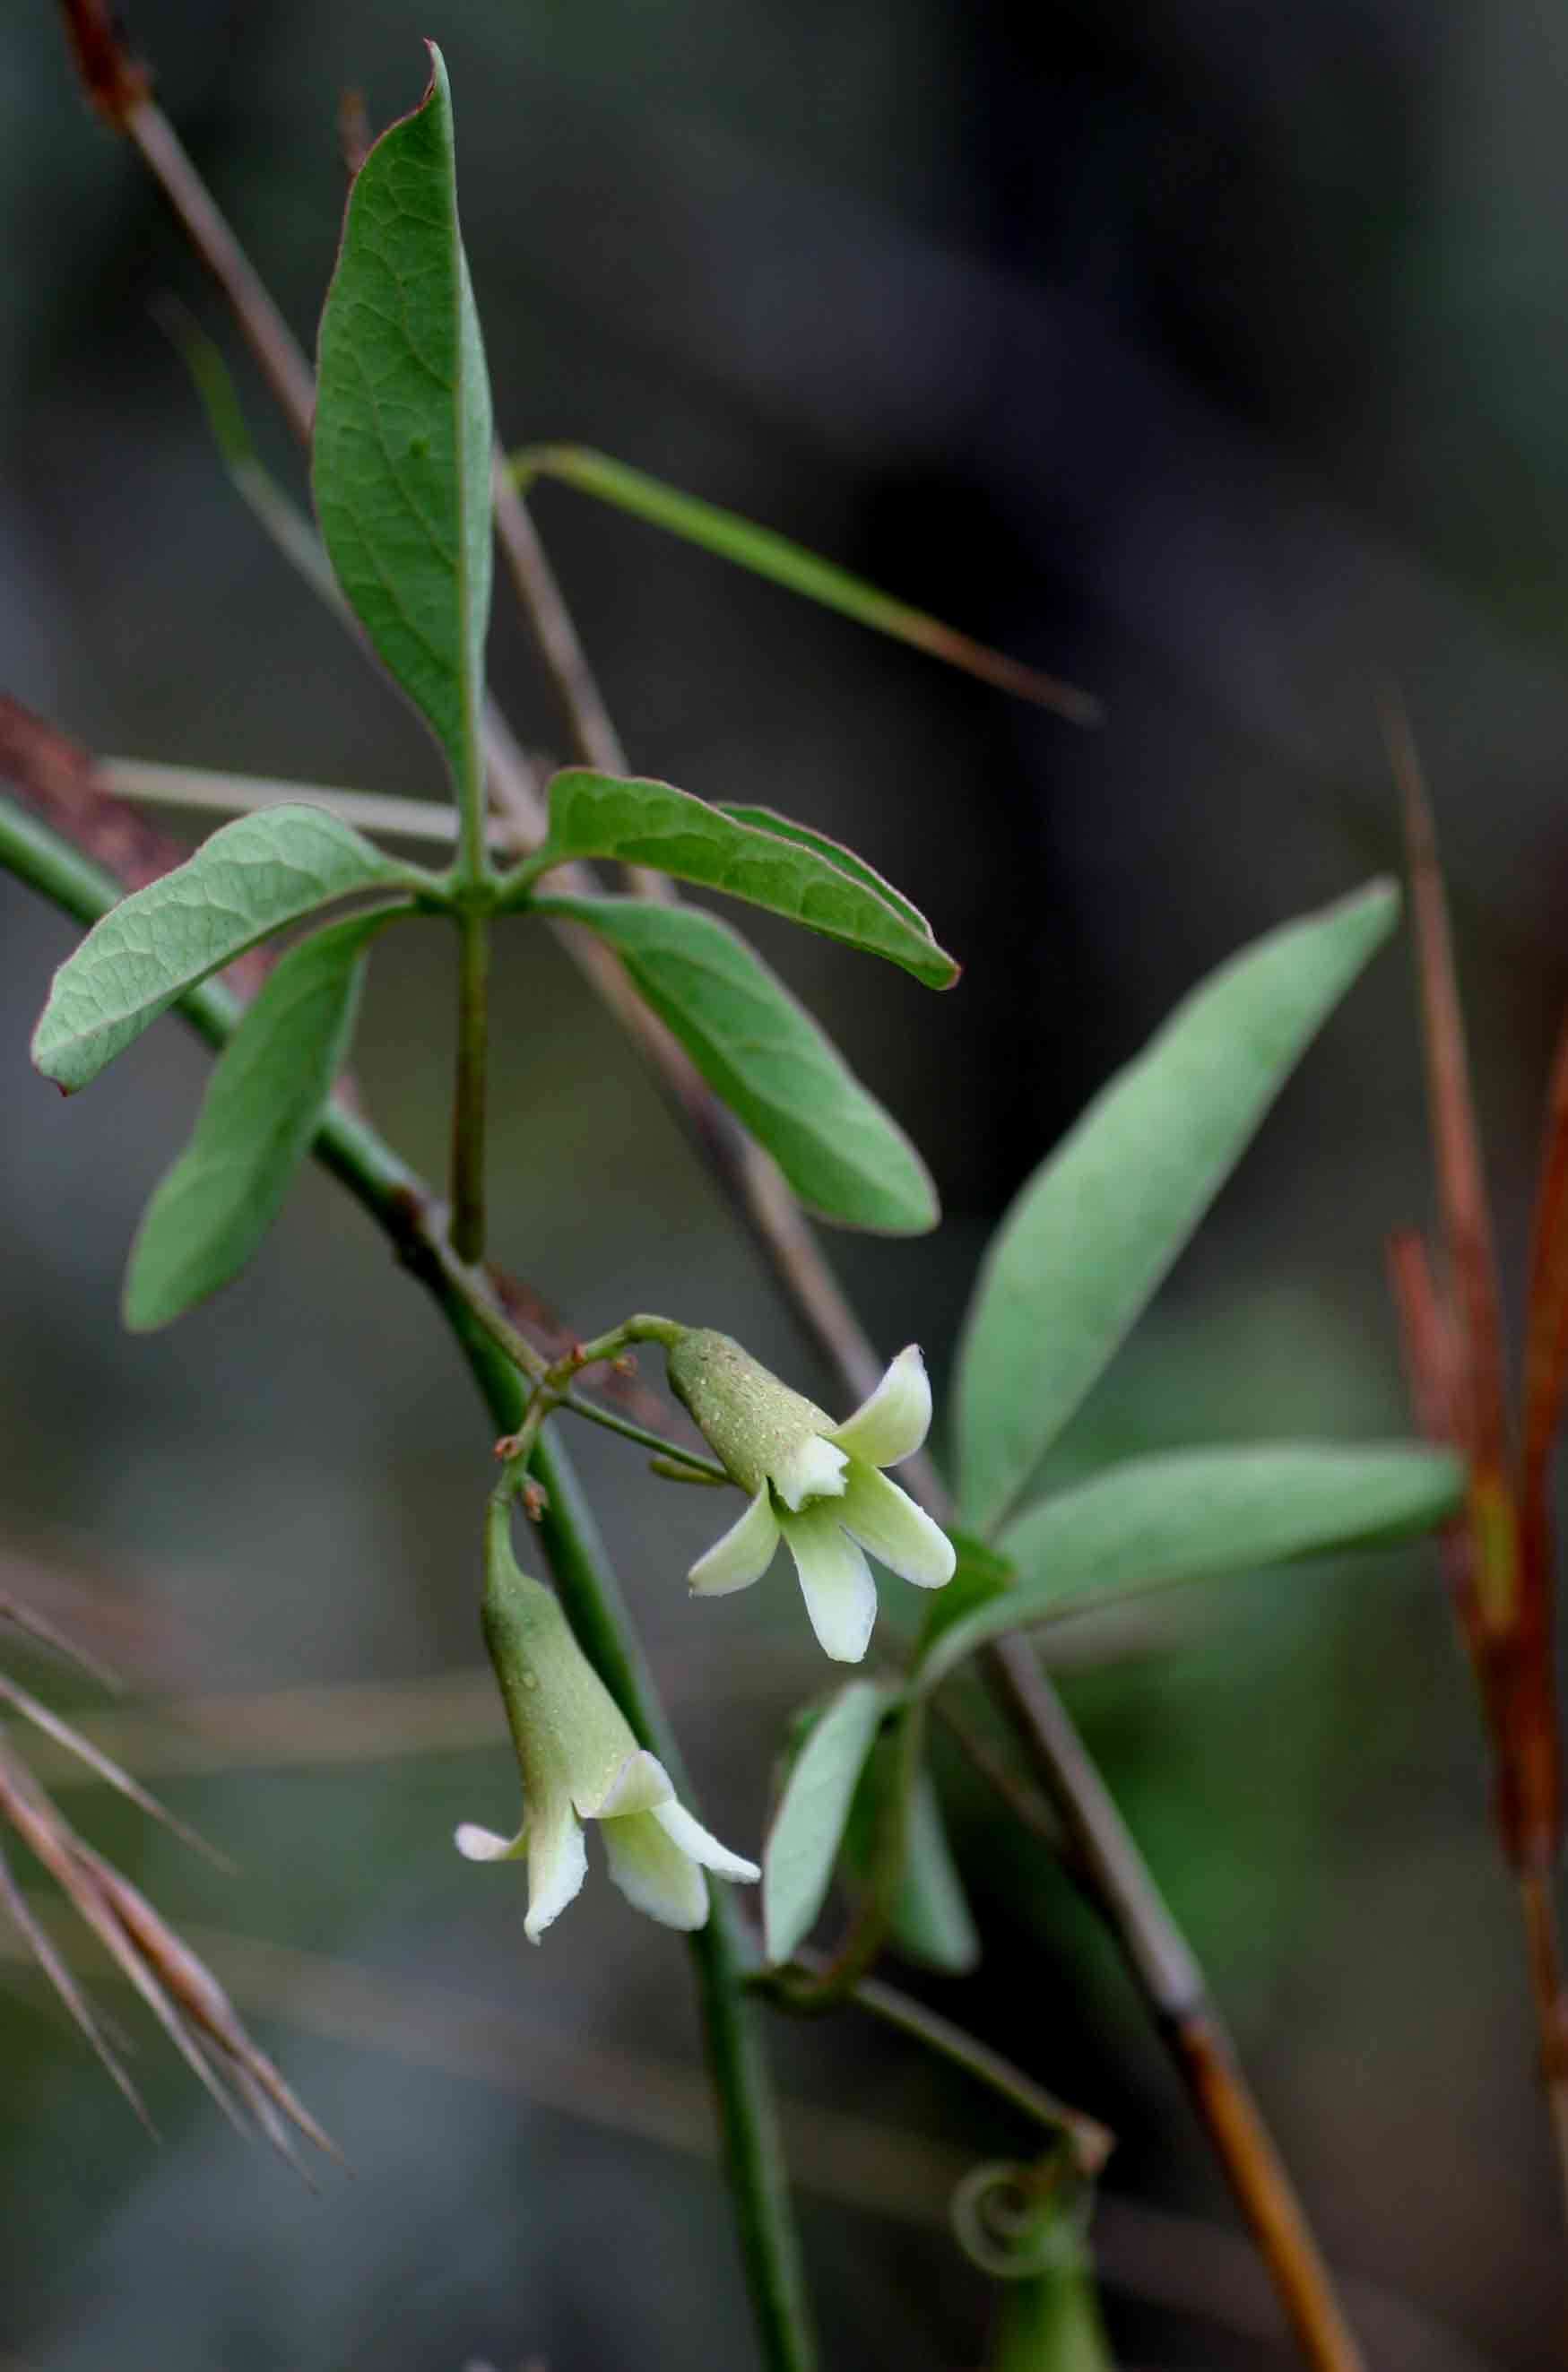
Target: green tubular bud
{"points": [[579, 1762], [570, 1735], [757, 1425]]}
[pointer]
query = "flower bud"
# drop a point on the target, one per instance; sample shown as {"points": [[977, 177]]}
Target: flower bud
{"points": [[813, 1484]]}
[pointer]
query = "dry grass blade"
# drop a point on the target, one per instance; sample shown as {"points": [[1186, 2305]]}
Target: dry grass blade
{"points": [[1426, 1331], [107, 1768], [33, 1626], [1466, 1215], [203, 2004], [183, 1997], [1432, 1365], [60, 1978]]}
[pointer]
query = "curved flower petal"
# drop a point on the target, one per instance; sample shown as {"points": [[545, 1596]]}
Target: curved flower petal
{"points": [[558, 1863], [693, 1838], [641, 1782], [483, 1845], [741, 1555], [893, 1425], [835, 1580], [814, 1469], [653, 1873], [902, 1536]]}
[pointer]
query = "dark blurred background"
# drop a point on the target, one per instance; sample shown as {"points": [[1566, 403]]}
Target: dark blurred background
{"points": [[1214, 357]]}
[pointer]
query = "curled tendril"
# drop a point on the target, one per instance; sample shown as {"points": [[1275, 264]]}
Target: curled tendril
{"points": [[1016, 2221]]}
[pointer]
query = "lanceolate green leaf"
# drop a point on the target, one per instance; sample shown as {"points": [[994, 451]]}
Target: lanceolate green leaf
{"points": [[263, 1106], [785, 828], [1192, 1515], [931, 1920], [653, 824], [766, 1058], [803, 1844], [403, 442], [768, 554], [1090, 1237], [246, 882]]}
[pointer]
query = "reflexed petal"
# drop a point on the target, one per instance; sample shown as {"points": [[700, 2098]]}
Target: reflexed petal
{"points": [[483, 1845], [558, 1863], [894, 1422], [653, 1873], [887, 1522], [640, 1783], [813, 1469], [742, 1556], [841, 1596], [693, 1839]]}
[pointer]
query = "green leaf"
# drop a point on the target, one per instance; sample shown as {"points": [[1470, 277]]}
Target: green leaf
{"points": [[803, 1844], [1192, 1515], [246, 882], [785, 828], [931, 1923], [1090, 1237], [402, 452], [262, 1106], [980, 1575], [765, 1057], [790, 872], [765, 554]]}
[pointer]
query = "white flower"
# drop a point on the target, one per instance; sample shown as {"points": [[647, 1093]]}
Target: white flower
{"points": [[815, 1484], [580, 1762]]}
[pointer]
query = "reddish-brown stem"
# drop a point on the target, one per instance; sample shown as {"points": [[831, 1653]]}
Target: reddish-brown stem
{"points": [[266, 333], [1263, 2189], [1544, 1947]]}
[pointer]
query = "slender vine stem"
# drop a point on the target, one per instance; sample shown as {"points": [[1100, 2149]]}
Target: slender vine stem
{"points": [[1091, 2141], [403, 1205]]}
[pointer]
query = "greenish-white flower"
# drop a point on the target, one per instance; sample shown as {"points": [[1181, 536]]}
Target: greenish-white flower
{"points": [[580, 1762], [813, 1484]]}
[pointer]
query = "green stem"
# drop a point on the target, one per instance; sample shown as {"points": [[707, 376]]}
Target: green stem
{"points": [[701, 1469], [1091, 2141], [467, 1105], [403, 1205]]}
